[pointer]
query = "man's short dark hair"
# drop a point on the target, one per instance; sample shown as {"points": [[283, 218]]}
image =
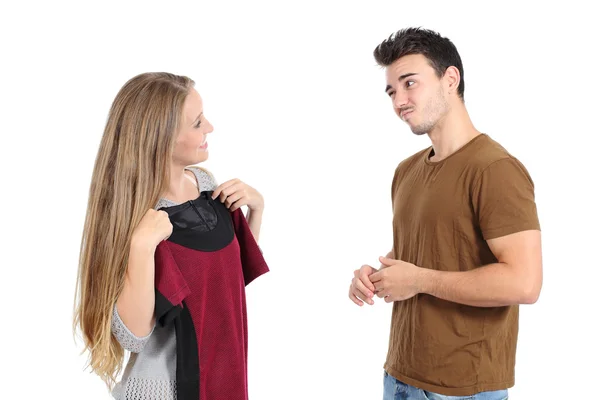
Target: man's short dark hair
{"points": [[440, 51]]}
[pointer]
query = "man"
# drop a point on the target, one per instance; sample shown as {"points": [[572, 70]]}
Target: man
{"points": [[467, 242]]}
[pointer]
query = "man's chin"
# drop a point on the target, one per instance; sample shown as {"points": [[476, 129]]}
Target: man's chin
{"points": [[418, 130]]}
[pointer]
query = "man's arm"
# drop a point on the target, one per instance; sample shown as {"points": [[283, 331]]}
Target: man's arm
{"points": [[515, 279]]}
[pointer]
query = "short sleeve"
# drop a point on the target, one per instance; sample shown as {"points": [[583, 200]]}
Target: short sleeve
{"points": [[125, 337], [170, 285], [253, 262], [503, 199]]}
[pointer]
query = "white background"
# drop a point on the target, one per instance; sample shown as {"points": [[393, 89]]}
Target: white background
{"points": [[300, 113]]}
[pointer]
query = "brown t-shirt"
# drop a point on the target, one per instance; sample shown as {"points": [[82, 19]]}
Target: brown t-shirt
{"points": [[443, 214]]}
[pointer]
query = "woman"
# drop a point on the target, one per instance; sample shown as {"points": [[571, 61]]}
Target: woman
{"points": [[166, 253]]}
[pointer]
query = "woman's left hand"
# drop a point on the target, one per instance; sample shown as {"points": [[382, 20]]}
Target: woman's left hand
{"points": [[235, 193]]}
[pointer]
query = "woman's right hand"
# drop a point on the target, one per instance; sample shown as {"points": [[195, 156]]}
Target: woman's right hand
{"points": [[154, 227]]}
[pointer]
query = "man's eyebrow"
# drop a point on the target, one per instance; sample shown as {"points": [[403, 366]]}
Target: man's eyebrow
{"points": [[400, 78]]}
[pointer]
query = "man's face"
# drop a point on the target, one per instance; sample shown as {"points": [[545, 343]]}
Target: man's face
{"points": [[417, 93]]}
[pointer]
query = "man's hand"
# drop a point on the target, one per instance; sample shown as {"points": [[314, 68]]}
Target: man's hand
{"points": [[361, 288], [397, 280]]}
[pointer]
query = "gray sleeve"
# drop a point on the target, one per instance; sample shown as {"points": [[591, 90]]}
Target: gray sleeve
{"points": [[126, 338]]}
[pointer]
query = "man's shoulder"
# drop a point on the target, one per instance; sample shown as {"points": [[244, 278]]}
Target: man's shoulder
{"points": [[488, 152]]}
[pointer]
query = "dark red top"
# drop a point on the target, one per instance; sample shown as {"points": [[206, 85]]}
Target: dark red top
{"points": [[201, 274]]}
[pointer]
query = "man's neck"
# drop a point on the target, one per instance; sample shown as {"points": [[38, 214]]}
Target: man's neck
{"points": [[452, 132]]}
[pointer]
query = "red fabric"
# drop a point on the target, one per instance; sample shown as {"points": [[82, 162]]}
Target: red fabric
{"points": [[212, 287]]}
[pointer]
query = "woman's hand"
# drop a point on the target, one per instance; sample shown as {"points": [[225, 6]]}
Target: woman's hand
{"points": [[235, 194]]}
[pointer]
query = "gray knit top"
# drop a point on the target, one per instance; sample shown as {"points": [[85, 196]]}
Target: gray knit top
{"points": [[150, 371]]}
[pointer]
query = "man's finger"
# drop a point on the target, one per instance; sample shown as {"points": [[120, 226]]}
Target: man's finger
{"points": [[364, 277], [365, 284], [354, 298], [360, 291], [387, 262], [376, 277]]}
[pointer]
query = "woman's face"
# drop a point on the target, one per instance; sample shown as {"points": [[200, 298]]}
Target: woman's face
{"points": [[191, 146]]}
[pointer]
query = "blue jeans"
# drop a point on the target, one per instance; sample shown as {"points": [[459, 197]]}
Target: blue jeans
{"points": [[393, 389]]}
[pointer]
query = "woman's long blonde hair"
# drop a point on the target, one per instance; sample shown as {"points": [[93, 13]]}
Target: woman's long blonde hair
{"points": [[130, 173]]}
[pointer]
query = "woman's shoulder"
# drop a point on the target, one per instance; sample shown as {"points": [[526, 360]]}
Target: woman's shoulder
{"points": [[206, 180]]}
